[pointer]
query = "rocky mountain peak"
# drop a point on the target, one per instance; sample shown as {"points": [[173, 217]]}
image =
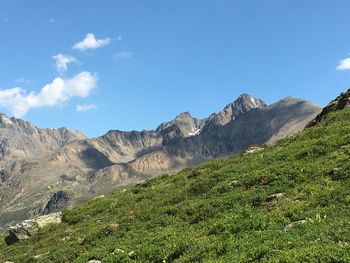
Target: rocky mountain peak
{"points": [[182, 115], [241, 105], [183, 119], [56, 162], [183, 125], [19, 138], [248, 101]]}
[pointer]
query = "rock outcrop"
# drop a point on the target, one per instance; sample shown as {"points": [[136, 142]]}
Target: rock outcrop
{"points": [[340, 102], [30, 227], [57, 201]]}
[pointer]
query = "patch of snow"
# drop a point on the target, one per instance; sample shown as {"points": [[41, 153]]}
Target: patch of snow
{"points": [[194, 132], [254, 102]]}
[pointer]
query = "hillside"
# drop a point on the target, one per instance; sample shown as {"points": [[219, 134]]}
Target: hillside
{"points": [[286, 203], [84, 169]]}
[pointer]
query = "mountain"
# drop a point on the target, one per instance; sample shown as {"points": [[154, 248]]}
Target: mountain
{"points": [[288, 202], [243, 104], [87, 168], [20, 139]]}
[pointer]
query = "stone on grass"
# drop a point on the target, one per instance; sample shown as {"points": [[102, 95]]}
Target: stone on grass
{"points": [[30, 227]]}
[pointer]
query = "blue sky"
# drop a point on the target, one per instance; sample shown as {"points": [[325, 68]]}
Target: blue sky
{"points": [[146, 61]]}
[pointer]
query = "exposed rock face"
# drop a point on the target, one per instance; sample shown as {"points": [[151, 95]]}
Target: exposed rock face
{"points": [[28, 228], [257, 126], [243, 104], [340, 102], [90, 167], [184, 125], [57, 201], [4, 176], [20, 139]]}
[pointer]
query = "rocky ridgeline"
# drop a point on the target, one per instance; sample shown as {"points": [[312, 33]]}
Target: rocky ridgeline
{"points": [[21, 139], [30, 227], [340, 102], [91, 167]]}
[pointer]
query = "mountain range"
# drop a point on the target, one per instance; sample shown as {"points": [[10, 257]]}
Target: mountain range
{"points": [[288, 202], [43, 170]]}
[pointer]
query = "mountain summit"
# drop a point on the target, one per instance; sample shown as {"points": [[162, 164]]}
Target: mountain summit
{"points": [[241, 105], [41, 164], [21, 139], [285, 203]]}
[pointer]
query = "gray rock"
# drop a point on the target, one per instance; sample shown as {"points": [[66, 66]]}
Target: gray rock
{"points": [[339, 103], [277, 196], [57, 201], [294, 224], [4, 176], [253, 149], [30, 227]]}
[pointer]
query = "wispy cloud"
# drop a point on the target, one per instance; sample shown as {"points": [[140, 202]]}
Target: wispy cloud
{"points": [[344, 64], [91, 42], [123, 54], [62, 62], [85, 107], [22, 80], [19, 101], [52, 20]]}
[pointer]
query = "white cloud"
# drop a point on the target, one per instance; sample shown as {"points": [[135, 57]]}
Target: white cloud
{"points": [[19, 101], [91, 42], [22, 80], [52, 20], [85, 107], [123, 54], [62, 62], [119, 38], [344, 64]]}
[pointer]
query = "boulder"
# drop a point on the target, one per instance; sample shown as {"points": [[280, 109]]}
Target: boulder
{"points": [[253, 149], [30, 227], [275, 196], [293, 224]]}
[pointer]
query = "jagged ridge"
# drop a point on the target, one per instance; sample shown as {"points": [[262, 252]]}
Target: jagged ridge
{"points": [[90, 167], [285, 203]]}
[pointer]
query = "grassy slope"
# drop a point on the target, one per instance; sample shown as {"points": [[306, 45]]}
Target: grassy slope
{"points": [[220, 211]]}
